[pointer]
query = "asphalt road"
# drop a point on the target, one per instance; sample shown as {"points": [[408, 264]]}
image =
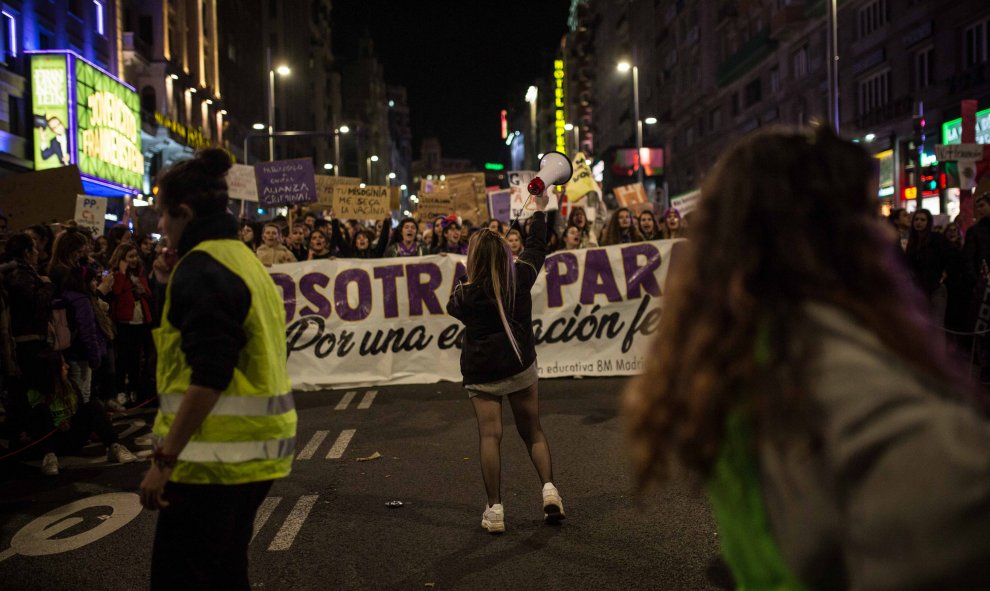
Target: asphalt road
{"points": [[327, 526]]}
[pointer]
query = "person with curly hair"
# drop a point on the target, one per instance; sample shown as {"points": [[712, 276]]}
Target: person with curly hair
{"points": [[620, 229], [797, 375]]}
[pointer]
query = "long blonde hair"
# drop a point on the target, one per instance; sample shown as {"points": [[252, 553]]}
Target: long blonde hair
{"points": [[489, 262]]}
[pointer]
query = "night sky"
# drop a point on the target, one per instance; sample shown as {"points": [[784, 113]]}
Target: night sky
{"points": [[461, 62]]}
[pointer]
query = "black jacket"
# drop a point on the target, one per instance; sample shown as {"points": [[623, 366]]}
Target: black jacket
{"points": [[209, 304], [486, 353]]}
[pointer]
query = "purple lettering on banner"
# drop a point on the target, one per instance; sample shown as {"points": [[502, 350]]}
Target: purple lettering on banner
{"points": [[388, 275], [644, 276], [419, 292], [459, 271], [288, 287], [308, 288], [344, 309], [598, 278], [557, 280]]}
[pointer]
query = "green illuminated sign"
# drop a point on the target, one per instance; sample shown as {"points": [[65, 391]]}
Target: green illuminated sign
{"points": [[50, 109], [494, 166], [85, 116], [952, 130]]}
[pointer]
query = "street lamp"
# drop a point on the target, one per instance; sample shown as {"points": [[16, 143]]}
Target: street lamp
{"points": [[336, 147], [368, 161], [625, 67], [531, 94], [282, 70]]}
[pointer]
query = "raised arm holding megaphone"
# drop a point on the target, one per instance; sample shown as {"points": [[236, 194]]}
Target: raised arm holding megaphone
{"points": [[555, 169]]}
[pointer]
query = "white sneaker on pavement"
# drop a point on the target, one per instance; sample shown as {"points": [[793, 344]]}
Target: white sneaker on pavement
{"points": [[118, 454], [553, 506], [49, 465], [493, 519]]}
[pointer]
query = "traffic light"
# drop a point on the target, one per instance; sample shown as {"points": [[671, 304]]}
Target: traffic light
{"points": [[929, 179]]}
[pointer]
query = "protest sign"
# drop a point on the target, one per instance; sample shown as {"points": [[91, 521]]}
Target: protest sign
{"points": [[685, 203], [362, 203], [468, 193], [436, 203], [633, 197], [361, 322], [520, 205], [499, 204], [285, 182], [91, 213], [241, 183], [325, 185]]}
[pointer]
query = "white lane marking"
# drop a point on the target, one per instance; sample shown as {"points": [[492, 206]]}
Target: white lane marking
{"points": [[314, 444], [369, 397], [346, 400], [341, 444], [264, 512], [293, 523]]}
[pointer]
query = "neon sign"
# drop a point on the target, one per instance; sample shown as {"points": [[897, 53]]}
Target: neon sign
{"points": [[85, 116], [560, 120]]}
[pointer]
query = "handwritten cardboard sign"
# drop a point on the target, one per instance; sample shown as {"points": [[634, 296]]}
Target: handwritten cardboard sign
{"points": [[325, 185], [439, 202], [500, 205], [241, 183], [286, 182], [367, 203], [633, 197]]}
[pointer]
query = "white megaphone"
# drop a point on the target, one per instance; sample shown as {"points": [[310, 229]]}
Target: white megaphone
{"points": [[555, 169]]}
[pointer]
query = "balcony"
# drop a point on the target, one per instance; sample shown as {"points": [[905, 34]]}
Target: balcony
{"points": [[749, 55], [785, 22]]}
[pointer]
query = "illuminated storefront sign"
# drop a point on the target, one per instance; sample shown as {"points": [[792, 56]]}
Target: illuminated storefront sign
{"points": [[191, 136], [885, 165], [85, 116], [559, 104], [952, 130]]}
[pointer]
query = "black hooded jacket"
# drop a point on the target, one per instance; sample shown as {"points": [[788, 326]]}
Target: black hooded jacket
{"points": [[486, 353]]}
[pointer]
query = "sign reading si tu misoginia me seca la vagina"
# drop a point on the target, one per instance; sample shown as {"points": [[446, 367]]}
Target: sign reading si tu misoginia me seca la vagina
{"points": [[82, 115], [354, 322]]}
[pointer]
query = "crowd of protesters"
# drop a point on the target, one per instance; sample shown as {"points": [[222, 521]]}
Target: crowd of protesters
{"points": [[314, 238], [76, 315]]}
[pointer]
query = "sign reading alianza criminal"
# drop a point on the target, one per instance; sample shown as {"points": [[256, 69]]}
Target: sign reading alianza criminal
{"points": [[84, 116]]}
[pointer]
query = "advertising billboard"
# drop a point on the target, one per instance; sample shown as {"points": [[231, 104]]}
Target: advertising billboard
{"points": [[85, 116]]}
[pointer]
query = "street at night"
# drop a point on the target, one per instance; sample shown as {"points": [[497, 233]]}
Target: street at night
{"points": [[327, 525]]}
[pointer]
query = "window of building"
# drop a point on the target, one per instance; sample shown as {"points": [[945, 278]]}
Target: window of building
{"points": [[715, 119], [923, 66], [46, 38], [871, 17], [76, 9], [689, 136], [975, 43], [98, 5], [774, 80], [8, 36], [754, 92], [735, 103], [799, 63], [874, 92]]}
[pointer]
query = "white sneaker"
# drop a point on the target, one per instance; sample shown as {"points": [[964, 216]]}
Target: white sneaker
{"points": [[493, 519], [49, 465], [118, 454], [553, 506]]}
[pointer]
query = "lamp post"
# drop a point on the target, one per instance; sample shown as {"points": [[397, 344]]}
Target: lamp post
{"points": [[336, 148], [368, 161], [625, 67], [282, 70], [531, 94]]}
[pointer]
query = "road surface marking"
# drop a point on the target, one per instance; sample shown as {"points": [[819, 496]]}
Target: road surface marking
{"points": [[264, 512], [314, 444], [369, 397], [341, 444], [293, 523], [346, 400]]}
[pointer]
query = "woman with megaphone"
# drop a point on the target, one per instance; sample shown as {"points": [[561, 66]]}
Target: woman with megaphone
{"points": [[498, 357]]}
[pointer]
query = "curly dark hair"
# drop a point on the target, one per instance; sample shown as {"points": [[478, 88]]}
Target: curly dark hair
{"points": [[785, 218]]}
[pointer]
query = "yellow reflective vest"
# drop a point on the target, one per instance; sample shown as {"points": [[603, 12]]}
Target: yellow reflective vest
{"points": [[249, 435]]}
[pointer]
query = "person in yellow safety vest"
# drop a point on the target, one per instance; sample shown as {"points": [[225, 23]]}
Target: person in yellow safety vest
{"points": [[226, 424], [797, 375]]}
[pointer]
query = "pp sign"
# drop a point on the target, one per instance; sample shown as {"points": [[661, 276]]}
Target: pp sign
{"points": [[90, 213]]}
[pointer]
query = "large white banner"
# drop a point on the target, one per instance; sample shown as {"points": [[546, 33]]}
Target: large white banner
{"points": [[354, 322]]}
